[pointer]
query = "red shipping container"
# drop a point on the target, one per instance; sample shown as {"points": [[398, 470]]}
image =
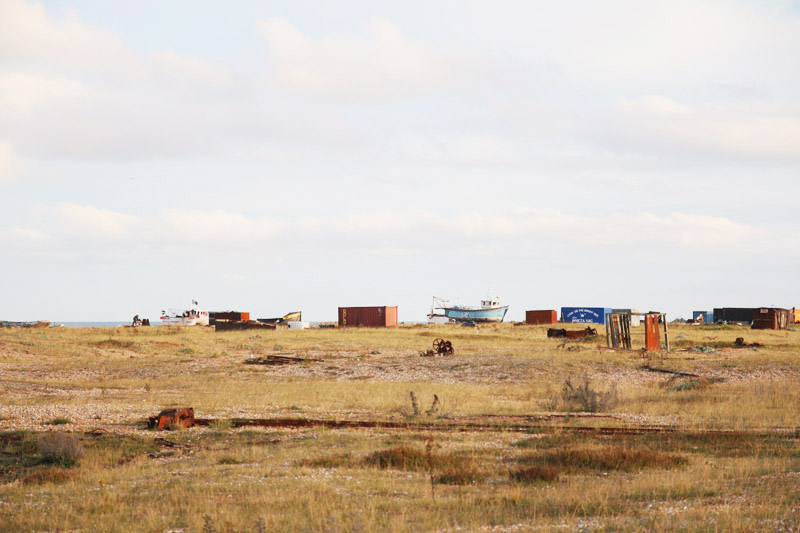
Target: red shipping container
{"points": [[549, 316], [770, 318], [367, 317]]}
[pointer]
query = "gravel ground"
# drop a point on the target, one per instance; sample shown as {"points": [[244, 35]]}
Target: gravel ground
{"points": [[37, 391]]}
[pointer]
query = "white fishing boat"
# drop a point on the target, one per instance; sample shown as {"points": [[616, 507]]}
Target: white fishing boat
{"points": [[490, 310], [194, 316]]}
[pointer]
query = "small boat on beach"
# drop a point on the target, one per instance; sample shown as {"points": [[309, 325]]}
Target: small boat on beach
{"points": [[31, 324], [185, 317], [490, 310]]}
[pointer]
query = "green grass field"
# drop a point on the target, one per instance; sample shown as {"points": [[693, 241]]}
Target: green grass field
{"points": [[509, 446]]}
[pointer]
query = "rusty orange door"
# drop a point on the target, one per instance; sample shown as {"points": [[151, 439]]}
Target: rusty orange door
{"points": [[652, 335]]}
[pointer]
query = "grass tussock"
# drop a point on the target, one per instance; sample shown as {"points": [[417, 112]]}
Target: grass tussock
{"points": [[59, 421], [606, 458], [60, 449], [115, 343], [54, 475], [581, 396], [400, 458], [534, 474], [444, 467], [330, 461], [680, 385]]}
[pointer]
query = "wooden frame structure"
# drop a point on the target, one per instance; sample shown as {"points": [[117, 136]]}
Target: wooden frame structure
{"points": [[618, 330]]}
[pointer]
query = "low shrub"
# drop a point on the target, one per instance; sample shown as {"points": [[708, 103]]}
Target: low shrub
{"points": [[399, 458], [446, 468], [607, 458], [581, 397], [60, 449], [461, 473], [40, 476], [330, 461], [534, 474], [115, 343]]}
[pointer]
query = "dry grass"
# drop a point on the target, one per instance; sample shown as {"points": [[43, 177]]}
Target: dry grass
{"points": [[314, 479], [605, 458]]}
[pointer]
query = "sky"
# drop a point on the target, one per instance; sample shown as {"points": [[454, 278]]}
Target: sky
{"points": [[275, 156]]}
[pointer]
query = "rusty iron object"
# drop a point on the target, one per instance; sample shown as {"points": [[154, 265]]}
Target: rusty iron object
{"points": [[367, 317], [237, 316], [230, 325], [555, 333], [279, 360], [668, 371], [652, 334], [549, 316], [171, 418], [741, 344], [440, 347], [488, 423]]}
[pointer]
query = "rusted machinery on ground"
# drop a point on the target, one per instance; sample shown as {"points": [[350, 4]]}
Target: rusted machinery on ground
{"points": [[555, 333], [440, 347], [172, 418]]}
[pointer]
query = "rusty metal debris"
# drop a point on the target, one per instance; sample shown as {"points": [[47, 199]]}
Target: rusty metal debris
{"points": [[739, 343], [171, 418], [279, 360], [440, 347], [668, 371], [555, 333], [525, 423], [231, 325]]}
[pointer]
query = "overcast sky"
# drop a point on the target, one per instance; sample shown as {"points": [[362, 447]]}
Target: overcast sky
{"points": [[280, 156]]}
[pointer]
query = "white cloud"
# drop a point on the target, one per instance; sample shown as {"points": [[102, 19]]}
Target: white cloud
{"points": [[30, 37], [392, 233], [10, 164], [92, 223], [459, 148], [658, 124], [72, 90], [22, 235], [217, 226], [172, 65], [380, 63]]}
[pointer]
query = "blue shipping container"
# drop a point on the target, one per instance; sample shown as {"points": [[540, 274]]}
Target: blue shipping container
{"points": [[708, 316], [585, 315]]}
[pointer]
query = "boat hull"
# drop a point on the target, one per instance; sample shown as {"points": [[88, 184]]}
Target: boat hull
{"points": [[178, 321], [492, 314]]}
